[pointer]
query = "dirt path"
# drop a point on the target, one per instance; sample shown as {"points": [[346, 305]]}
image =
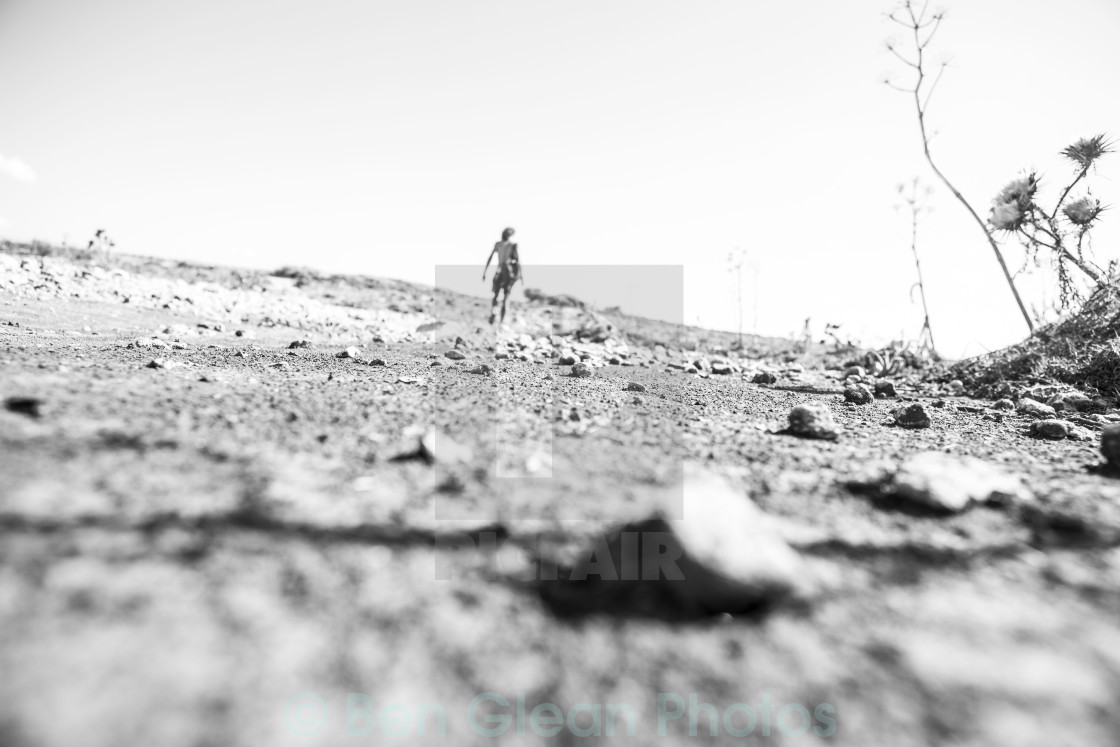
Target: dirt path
{"points": [[199, 528]]}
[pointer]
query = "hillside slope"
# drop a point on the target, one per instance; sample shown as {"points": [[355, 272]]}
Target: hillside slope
{"points": [[231, 499]]}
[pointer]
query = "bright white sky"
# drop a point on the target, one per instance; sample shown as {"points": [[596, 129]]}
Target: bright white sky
{"points": [[393, 137]]}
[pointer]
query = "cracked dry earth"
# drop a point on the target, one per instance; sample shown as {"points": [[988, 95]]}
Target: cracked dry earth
{"points": [[189, 549]]}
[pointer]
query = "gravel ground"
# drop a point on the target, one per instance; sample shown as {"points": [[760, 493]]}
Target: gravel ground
{"points": [[206, 533]]}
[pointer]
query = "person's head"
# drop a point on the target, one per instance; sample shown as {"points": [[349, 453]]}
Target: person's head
{"points": [[506, 234]]}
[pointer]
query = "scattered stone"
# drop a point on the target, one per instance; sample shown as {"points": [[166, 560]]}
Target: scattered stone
{"points": [[614, 360], [951, 483], [1003, 404], [721, 368], [1053, 430], [350, 353], [432, 447], [856, 371], [1099, 405], [1110, 445], [162, 363], [1035, 409], [460, 342], [858, 394], [633, 386], [956, 387], [567, 359], [29, 406], [912, 416], [299, 344], [455, 355], [764, 377], [482, 369], [377, 362], [573, 415], [583, 324], [1070, 402], [501, 356], [885, 389], [813, 420], [581, 371]]}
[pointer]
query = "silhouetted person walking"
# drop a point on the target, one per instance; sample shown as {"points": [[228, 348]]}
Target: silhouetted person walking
{"points": [[507, 273]]}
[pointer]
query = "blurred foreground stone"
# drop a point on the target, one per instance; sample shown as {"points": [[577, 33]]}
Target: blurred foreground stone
{"points": [[725, 555]]}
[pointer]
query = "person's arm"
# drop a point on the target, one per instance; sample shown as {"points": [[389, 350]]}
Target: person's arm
{"points": [[520, 268], [488, 260]]}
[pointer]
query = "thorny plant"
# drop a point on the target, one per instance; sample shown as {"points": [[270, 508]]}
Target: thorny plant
{"points": [[1062, 230], [915, 201], [101, 243], [922, 25], [833, 331], [893, 358], [735, 266]]}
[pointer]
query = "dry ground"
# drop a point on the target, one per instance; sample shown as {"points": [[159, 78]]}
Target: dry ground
{"points": [[187, 550]]}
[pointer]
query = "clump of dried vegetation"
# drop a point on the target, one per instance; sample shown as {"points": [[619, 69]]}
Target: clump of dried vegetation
{"points": [[1082, 350]]}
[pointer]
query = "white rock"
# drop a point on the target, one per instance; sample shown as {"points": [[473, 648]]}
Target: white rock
{"points": [[734, 554], [1035, 409], [952, 483]]}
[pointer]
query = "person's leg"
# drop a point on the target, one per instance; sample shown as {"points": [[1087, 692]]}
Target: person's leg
{"points": [[505, 297], [496, 287]]}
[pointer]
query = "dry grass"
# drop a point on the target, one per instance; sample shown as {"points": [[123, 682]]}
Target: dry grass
{"points": [[1082, 350]]}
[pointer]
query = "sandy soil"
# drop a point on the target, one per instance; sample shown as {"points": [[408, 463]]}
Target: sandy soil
{"points": [[206, 534]]}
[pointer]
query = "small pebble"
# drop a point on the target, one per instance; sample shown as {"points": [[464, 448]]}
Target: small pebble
{"points": [[813, 420], [885, 389], [1053, 430], [1110, 445], [912, 416], [858, 394]]}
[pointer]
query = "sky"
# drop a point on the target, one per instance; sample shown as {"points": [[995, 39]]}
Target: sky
{"points": [[396, 138]]}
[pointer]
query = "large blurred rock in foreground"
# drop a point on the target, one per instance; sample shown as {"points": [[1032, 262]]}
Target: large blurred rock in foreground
{"points": [[723, 555]]}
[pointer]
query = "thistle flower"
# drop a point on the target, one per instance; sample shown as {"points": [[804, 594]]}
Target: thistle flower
{"points": [[1083, 211], [1006, 216], [1087, 149], [1013, 202], [1020, 191]]}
